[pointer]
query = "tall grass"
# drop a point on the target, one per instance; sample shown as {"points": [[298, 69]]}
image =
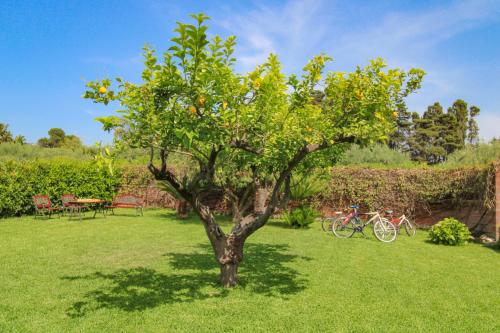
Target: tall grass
{"points": [[381, 155], [18, 152], [376, 155], [481, 154], [132, 156]]}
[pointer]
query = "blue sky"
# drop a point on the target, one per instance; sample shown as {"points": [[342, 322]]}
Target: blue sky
{"points": [[48, 49]]}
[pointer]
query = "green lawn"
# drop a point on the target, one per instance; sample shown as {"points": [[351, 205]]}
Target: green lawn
{"points": [[157, 274]]}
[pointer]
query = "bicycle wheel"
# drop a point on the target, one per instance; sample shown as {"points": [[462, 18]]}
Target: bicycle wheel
{"points": [[326, 224], [341, 229], [411, 230], [384, 231]]}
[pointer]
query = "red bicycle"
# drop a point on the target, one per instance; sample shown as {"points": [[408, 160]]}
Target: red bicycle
{"points": [[402, 222]]}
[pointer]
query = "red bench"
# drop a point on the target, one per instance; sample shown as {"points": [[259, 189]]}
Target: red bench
{"points": [[127, 201]]}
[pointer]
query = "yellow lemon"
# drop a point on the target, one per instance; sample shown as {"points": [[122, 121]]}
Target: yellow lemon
{"points": [[201, 100], [102, 90], [256, 83], [224, 105], [394, 114]]}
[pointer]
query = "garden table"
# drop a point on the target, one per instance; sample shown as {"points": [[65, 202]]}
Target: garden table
{"points": [[97, 205]]}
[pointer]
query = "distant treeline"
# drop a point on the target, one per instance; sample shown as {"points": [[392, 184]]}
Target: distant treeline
{"points": [[436, 134]]}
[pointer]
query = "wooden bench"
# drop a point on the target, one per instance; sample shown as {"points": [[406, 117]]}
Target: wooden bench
{"points": [[127, 201]]}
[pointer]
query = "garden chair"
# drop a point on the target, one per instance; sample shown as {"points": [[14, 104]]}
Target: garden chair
{"points": [[70, 208], [44, 207], [127, 201]]}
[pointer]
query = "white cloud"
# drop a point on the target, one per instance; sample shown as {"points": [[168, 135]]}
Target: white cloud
{"points": [[300, 28], [287, 29], [408, 35], [262, 45]]}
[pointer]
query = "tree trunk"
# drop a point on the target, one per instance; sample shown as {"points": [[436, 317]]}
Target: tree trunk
{"points": [[229, 255], [182, 209], [261, 196], [236, 212], [229, 274]]}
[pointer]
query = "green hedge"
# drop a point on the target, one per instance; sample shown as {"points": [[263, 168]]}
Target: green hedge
{"points": [[411, 189], [20, 181], [407, 190]]}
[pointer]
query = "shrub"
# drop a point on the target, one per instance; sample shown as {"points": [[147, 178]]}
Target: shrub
{"points": [[449, 231], [300, 217], [20, 181], [304, 186]]}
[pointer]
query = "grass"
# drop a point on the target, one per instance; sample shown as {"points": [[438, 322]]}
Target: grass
{"points": [[157, 274]]}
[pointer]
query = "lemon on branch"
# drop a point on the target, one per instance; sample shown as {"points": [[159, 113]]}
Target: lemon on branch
{"points": [[256, 83], [201, 101]]}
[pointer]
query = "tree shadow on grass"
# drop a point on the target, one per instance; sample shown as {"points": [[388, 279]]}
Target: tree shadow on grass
{"points": [[494, 247], [264, 272], [281, 224]]}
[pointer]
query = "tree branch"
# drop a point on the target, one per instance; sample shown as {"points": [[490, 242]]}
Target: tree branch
{"points": [[186, 154], [239, 144], [213, 230], [255, 221]]}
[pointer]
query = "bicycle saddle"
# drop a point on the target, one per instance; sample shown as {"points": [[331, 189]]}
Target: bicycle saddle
{"points": [[389, 211], [354, 206]]}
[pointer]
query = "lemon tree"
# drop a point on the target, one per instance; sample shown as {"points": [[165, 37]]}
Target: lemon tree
{"points": [[245, 133]]}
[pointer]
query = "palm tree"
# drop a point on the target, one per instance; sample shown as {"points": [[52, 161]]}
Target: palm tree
{"points": [[20, 139], [5, 134]]}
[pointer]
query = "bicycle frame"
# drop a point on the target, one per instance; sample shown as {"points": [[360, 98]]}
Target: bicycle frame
{"points": [[398, 221], [401, 222], [354, 215]]}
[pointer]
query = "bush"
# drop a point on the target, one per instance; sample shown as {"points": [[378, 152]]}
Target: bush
{"points": [[20, 181], [450, 231], [300, 217]]}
